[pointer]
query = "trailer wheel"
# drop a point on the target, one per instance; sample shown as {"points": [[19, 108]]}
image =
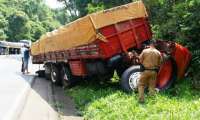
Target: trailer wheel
{"points": [[102, 78], [68, 79], [47, 71], [130, 78], [120, 70], [55, 75]]}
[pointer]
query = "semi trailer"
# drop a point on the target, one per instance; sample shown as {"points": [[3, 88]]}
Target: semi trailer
{"points": [[99, 44]]}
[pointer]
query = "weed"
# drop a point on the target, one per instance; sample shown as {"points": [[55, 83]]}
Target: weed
{"points": [[99, 102]]}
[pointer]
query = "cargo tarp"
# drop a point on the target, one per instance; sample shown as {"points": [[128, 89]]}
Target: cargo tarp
{"points": [[84, 30], [35, 48], [118, 14], [43, 43], [74, 34]]}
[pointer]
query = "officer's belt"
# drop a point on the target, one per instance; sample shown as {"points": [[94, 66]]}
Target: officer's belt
{"points": [[155, 69]]}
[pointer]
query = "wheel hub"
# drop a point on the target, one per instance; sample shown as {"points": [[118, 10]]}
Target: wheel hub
{"points": [[65, 77], [53, 75], [134, 80]]}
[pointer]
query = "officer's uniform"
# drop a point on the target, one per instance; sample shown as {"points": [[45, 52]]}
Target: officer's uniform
{"points": [[151, 59]]}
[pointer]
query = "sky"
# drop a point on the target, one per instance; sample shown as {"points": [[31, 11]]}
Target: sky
{"points": [[53, 3]]}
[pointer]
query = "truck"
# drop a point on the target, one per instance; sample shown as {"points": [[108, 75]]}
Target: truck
{"points": [[98, 45]]}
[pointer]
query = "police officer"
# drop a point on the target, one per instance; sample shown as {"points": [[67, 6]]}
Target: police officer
{"points": [[150, 58]]}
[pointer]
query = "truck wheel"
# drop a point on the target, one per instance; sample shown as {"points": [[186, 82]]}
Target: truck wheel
{"points": [[105, 77], [167, 74], [55, 75], [130, 78], [68, 79], [109, 75], [120, 70], [47, 71]]}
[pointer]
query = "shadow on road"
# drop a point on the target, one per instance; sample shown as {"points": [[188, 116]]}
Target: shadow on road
{"points": [[51, 99]]}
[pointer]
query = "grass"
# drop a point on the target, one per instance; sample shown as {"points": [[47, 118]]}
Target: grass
{"points": [[109, 102]]}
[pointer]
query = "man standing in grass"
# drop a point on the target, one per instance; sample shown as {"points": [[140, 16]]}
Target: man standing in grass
{"points": [[151, 59]]}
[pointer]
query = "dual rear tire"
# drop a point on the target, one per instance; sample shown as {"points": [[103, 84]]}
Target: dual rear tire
{"points": [[68, 79], [56, 75], [59, 75]]}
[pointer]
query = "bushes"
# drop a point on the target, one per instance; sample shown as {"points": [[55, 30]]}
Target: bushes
{"points": [[178, 21], [25, 19]]}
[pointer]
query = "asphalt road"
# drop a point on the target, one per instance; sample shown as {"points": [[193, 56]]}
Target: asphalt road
{"points": [[39, 104], [48, 102], [13, 86], [42, 101]]}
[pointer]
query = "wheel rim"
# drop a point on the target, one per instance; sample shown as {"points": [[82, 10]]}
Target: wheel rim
{"points": [[134, 79], [164, 75], [65, 77], [53, 76]]}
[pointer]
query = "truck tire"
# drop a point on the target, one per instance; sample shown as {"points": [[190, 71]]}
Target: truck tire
{"points": [[109, 75], [165, 79], [55, 75], [120, 70], [68, 80], [103, 78], [47, 71], [130, 78]]}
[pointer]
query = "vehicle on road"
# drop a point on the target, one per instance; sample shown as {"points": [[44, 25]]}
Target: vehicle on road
{"points": [[10, 48], [98, 44]]}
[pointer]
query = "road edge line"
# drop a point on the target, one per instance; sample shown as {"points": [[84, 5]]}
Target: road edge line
{"points": [[15, 111]]}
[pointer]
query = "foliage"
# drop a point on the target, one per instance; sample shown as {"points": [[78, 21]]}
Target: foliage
{"points": [[18, 26], [95, 7], [178, 21], [108, 102], [61, 15], [36, 29], [80, 8], [25, 19], [2, 35]]}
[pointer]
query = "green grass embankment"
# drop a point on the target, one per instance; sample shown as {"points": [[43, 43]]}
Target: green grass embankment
{"points": [[109, 102]]}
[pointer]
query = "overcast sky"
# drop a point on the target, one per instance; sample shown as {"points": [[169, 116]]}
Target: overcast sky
{"points": [[53, 3]]}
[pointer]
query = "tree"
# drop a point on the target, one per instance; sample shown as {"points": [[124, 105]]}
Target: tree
{"points": [[3, 27], [18, 26], [2, 35], [25, 19], [61, 15], [80, 8], [36, 30], [71, 7]]}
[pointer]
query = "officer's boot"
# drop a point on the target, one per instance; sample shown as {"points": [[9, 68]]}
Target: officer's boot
{"points": [[141, 94]]}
